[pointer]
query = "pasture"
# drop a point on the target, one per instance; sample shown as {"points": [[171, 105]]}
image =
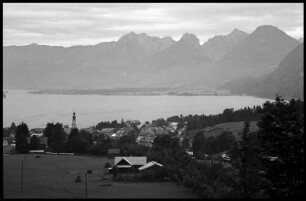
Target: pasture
{"points": [[214, 131], [53, 176]]}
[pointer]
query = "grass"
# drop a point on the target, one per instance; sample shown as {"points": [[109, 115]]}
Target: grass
{"points": [[53, 176], [234, 127]]}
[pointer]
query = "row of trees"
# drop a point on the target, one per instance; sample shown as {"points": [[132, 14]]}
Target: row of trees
{"points": [[8, 130], [228, 115], [127, 145], [107, 124], [202, 145]]}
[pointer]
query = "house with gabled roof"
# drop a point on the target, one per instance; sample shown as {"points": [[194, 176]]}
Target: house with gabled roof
{"points": [[128, 164]]}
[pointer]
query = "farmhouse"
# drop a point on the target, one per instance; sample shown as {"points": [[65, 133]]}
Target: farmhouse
{"points": [[128, 164]]}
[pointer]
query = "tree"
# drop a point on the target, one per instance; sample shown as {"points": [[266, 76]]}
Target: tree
{"points": [[220, 143], [6, 132], [73, 133], [85, 135], [198, 144], [244, 158], [185, 144], [162, 141], [281, 136], [76, 145], [48, 130], [34, 143], [126, 139], [228, 115], [13, 128], [56, 136], [22, 132], [161, 122]]}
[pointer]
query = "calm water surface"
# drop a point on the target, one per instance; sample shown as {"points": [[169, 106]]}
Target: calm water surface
{"points": [[37, 110]]}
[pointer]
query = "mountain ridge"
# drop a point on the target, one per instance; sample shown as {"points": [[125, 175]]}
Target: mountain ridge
{"points": [[140, 60]]}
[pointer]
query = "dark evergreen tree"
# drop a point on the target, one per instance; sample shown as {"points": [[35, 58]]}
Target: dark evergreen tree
{"points": [[73, 133], [34, 143], [85, 135], [185, 144], [245, 159], [281, 135], [198, 145], [56, 136], [22, 132], [13, 128]]}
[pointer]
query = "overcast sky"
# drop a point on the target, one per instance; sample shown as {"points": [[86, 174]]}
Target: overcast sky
{"points": [[68, 24]]}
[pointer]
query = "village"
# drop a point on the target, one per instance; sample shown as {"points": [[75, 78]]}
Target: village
{"points": [[145, 135], [116, 164]]}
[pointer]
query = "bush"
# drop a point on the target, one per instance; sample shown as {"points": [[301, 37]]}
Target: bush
{"points": [[206, 191], [107, 165], [97, 149]]}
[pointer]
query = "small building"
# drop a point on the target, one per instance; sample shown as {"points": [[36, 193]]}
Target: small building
{"points": [[67, 129], [128, 164], [150, 165], [174, 125], [5, 142], [225, 157], [37, 134], [12, 135]]}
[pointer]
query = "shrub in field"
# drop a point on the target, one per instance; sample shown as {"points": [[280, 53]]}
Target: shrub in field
{"points": [[78, 179], [206, 191], [107, 165]]}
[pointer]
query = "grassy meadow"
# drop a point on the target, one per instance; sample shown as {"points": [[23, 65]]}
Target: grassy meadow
{"points": [[53, 176]]}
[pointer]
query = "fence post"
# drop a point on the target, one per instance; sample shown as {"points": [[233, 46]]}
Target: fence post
{"points": [[22, 175], [86, 184]]}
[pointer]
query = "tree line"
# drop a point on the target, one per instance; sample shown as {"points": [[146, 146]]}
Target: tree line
{"points": [[228, 115]]}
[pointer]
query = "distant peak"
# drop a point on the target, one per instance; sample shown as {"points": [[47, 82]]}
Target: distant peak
{"points": [[132, 33], [128, 36], [168, 38], [267, 27], [33, 44], [235, 31], [191, 38]]}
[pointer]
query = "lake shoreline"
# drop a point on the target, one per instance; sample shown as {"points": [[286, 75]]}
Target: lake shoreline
{"points": [[37, 110], [134, 92]]}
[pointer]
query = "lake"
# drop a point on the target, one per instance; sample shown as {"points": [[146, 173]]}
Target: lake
{"points": [[36, 110]]}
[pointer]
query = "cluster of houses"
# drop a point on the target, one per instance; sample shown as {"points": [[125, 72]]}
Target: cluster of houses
{"points": [[149, 131]]}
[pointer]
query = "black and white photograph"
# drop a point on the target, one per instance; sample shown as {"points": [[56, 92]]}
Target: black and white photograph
{"points": [[148, 100]]}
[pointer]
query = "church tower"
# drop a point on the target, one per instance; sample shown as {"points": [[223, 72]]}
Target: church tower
{"points": [[73, 121]]}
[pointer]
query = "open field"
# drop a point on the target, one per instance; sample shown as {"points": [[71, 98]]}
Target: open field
{"points": [[234, 127], [52, 176]]}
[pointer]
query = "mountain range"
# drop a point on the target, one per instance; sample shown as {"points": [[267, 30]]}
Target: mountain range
{"points": [[140, 60]]}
